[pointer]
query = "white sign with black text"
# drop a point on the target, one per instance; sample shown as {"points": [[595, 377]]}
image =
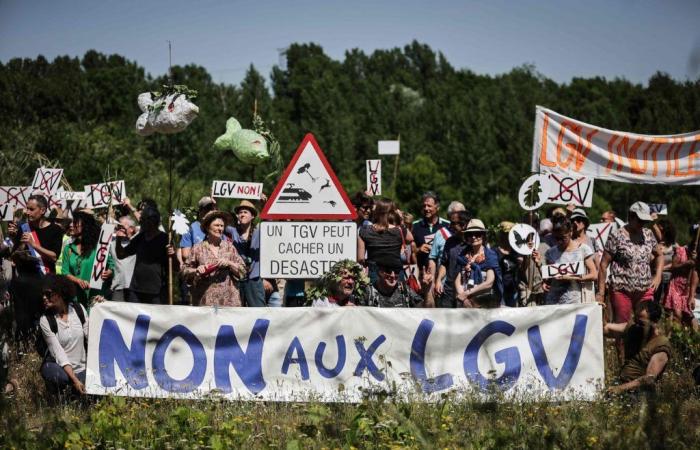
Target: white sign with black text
{"points": [[374, 176], [570, 190], [46, 180], [236, 189], [99, 195], [562, 269], [304, 249], [100, 263]]}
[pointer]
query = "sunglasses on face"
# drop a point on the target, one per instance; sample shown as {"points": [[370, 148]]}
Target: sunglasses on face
{"points": [[475, 236], [389, 271], [47, 293]]}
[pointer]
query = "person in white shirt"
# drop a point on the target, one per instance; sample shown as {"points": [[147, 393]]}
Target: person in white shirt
{"points": [[64, 327]]}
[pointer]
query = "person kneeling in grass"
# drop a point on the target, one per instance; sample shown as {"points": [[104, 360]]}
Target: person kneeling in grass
{"points": [[647, 349], [65, 331]]}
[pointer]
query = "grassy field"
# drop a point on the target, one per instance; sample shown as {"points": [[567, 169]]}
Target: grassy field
{"points": [[668, 417]]}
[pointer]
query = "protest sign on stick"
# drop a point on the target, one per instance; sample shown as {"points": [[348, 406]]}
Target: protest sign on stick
{"points": [[599, 233], [100, 263], [561, 269], [534, 192], [374, 176], [7, 212], [236, 189], [15, 195], [658, 208], [99, 195], [46, 180], [570, 190]]}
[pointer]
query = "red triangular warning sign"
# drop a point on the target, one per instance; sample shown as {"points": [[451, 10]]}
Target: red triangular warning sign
{"points": [[309, 188]]}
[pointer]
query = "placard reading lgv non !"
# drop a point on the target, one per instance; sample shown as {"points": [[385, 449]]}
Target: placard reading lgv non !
{"points": [[305, 249]]}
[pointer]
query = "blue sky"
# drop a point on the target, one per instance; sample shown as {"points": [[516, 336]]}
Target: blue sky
{"points": [[563, 39]]}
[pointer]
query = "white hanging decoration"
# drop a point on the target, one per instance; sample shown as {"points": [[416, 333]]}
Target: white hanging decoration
{"points": [[180, 222], [166, 113]]}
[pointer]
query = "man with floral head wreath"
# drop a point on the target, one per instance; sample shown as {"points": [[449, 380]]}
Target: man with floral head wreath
{"points": [[343, 285]]}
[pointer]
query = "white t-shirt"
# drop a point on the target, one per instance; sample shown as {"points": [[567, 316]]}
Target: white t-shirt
{"points": [[67, 346], [123, 268], [564, 292]]}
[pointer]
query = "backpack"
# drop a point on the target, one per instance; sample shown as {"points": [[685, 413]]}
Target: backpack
{"points": [[42, 348]]}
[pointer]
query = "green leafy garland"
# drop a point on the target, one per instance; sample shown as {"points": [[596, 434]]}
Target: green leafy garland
{"points": [[324, 286]]}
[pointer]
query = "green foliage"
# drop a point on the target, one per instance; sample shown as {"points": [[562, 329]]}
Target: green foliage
{"points": [[464, 135]]}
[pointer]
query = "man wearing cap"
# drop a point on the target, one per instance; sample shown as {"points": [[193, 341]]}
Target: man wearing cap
{"points": [[388, 291], [246, 239], [629, 252]]}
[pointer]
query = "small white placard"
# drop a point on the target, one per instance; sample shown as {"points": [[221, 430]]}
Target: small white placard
{"points": [[236, 189], [388, 147]]}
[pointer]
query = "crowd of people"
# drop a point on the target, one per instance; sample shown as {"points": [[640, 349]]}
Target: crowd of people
{"points": [[431, 262]]}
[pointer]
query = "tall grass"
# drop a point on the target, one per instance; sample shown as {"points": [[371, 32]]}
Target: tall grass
{"points": [[667, 417]]}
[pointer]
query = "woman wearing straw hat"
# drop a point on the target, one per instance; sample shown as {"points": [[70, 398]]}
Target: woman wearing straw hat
{"points": [[478, 283], [214, 266]]}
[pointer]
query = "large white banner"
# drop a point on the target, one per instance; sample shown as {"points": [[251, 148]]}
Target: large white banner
{"points": [[566, 146], [343, 354]]}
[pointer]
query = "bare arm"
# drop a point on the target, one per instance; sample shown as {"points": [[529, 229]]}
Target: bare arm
{"points": [[614, 329], [656, 365], [360, 251], [602, 275], [442, 271], [659, 265]]}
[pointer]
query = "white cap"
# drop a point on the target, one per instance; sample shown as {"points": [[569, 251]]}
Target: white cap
{"points": [[642, 211]]}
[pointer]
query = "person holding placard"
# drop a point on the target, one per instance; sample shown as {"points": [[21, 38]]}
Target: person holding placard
{"points": [[79, 257], [152, 251], [478, 283], [383, 239], [214, 265], [35, 248], [569, 288]]}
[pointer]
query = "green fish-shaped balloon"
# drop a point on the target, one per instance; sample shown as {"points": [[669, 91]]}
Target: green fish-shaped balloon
{"points": [[248, 145]]}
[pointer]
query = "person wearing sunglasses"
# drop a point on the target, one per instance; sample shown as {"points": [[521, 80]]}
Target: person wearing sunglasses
{"points": [[389, 291], [569, 288], [65, 331], [478, 283]]}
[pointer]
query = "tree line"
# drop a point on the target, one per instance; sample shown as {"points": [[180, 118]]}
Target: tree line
{"points": [[464, 135]]}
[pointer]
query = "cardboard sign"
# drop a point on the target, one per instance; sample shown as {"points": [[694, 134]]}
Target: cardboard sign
{"points": [[309, 189], [599, 233], [544, 353], [556, 270], [539, 185], [567, 146], [304, 249], [236, 189], [523, 239], [47, 180], [7, 212], [15, 195], [99, 195], [374, 176], [70, 195], [566, 190], [388, 147], [100, 263]]}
